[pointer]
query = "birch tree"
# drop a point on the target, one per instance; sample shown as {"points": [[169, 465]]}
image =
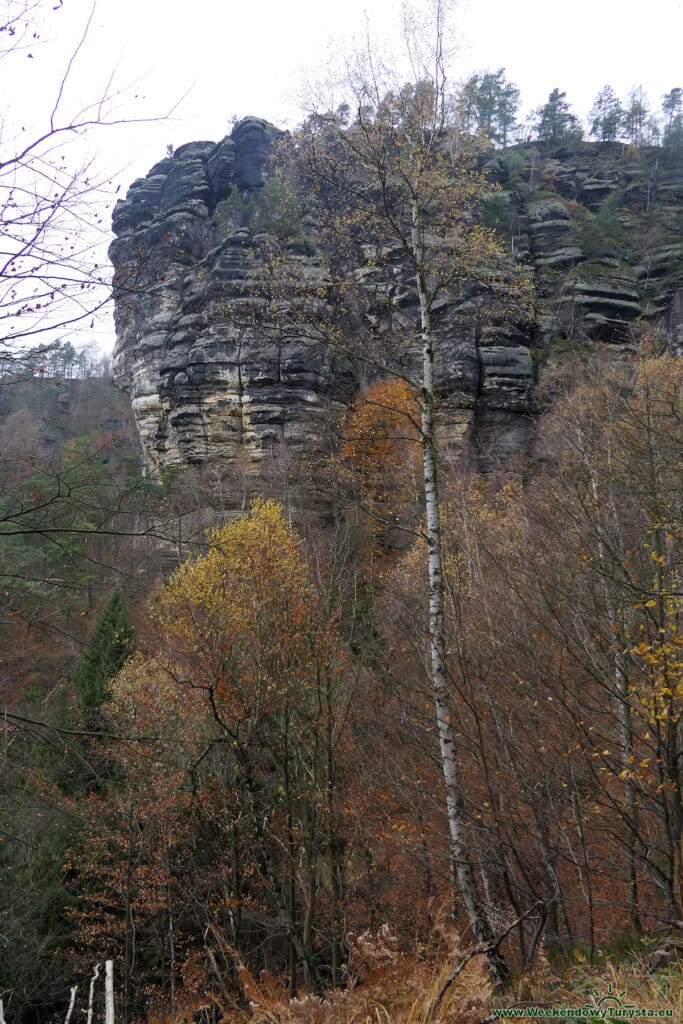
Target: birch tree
{"points": [[402, 194]]}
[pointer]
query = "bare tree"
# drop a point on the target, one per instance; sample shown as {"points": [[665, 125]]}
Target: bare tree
{"points": [[53, 202]]}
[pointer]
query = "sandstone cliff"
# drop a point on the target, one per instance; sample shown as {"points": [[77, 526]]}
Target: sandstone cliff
{"points": [[216, 370], [204, 378]]}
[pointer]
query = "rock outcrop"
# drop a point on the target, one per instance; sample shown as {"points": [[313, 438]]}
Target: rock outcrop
{"points": [[221, 347], [209, 371], [601, 223]]}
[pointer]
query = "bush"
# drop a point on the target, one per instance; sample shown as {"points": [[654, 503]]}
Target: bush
{"points": [[274, 209], [604, 232]]}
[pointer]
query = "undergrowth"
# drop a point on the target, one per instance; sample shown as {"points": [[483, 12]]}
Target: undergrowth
{"points": [[389, 986]]}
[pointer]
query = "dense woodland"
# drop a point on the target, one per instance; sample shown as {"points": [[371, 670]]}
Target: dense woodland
{"points": [[247, 778], [369, 734]]}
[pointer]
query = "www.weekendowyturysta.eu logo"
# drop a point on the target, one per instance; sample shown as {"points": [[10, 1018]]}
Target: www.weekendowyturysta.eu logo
{"points": [[608, 1005]]}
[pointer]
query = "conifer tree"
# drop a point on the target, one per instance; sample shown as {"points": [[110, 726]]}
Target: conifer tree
{"points": [[606, 116], [487, 104], [672, 110], [555, 120], [106, 651], [641, 127]]}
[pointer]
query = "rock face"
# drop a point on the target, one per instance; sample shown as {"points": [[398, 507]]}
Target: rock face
{"points": [[210, 373], [601, 223], [219, 342]]}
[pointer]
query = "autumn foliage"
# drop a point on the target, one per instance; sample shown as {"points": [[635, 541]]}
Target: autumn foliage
{"points": [[243, 707], [381, 439], [259, 814], [406, 744]]}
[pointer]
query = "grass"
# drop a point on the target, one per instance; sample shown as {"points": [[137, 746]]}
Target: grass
{"points": [[391, 986]]}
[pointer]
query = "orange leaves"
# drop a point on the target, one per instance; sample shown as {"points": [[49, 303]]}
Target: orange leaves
{"points": [[382, 445], [382, 435]]}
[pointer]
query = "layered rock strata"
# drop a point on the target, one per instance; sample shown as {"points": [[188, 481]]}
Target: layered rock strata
{"points": [[221, 341], [214, 365], [602, 225]]}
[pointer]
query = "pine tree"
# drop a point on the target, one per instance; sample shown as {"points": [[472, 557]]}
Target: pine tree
{"points": [[555, 121], [672, 109], [506, 113], [606, 116], [487, 105], [106, 651], [641, 127]]}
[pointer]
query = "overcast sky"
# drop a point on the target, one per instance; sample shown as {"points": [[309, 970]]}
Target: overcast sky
{"points": [[216, 59], [207, 61]]}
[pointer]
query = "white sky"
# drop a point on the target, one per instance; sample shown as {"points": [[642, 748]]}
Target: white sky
{"points": [[215, 59]]}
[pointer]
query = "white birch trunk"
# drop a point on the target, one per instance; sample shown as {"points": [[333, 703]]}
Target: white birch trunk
{"points": [[109, 992], [72, 1000], [91, 993], [462, 874]]}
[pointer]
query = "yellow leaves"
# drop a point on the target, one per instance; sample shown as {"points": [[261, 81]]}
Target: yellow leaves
{"points": [[242, 621], [252, 563]]}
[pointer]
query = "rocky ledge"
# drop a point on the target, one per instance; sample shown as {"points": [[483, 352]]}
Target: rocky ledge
{"points": [[220, 345]]}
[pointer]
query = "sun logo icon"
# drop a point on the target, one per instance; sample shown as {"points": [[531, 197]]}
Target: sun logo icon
{"points": [[608, 999]]}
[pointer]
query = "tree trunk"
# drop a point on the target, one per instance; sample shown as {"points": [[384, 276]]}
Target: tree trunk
{"points": [[462, 875], [109, 992]]}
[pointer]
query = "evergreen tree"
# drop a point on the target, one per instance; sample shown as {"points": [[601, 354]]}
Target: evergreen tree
{"points": [[508, 106], [487, 105], [555, 121], [641, 126], [607, 116], [672, 110], [466, 106], [106, 651]]}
